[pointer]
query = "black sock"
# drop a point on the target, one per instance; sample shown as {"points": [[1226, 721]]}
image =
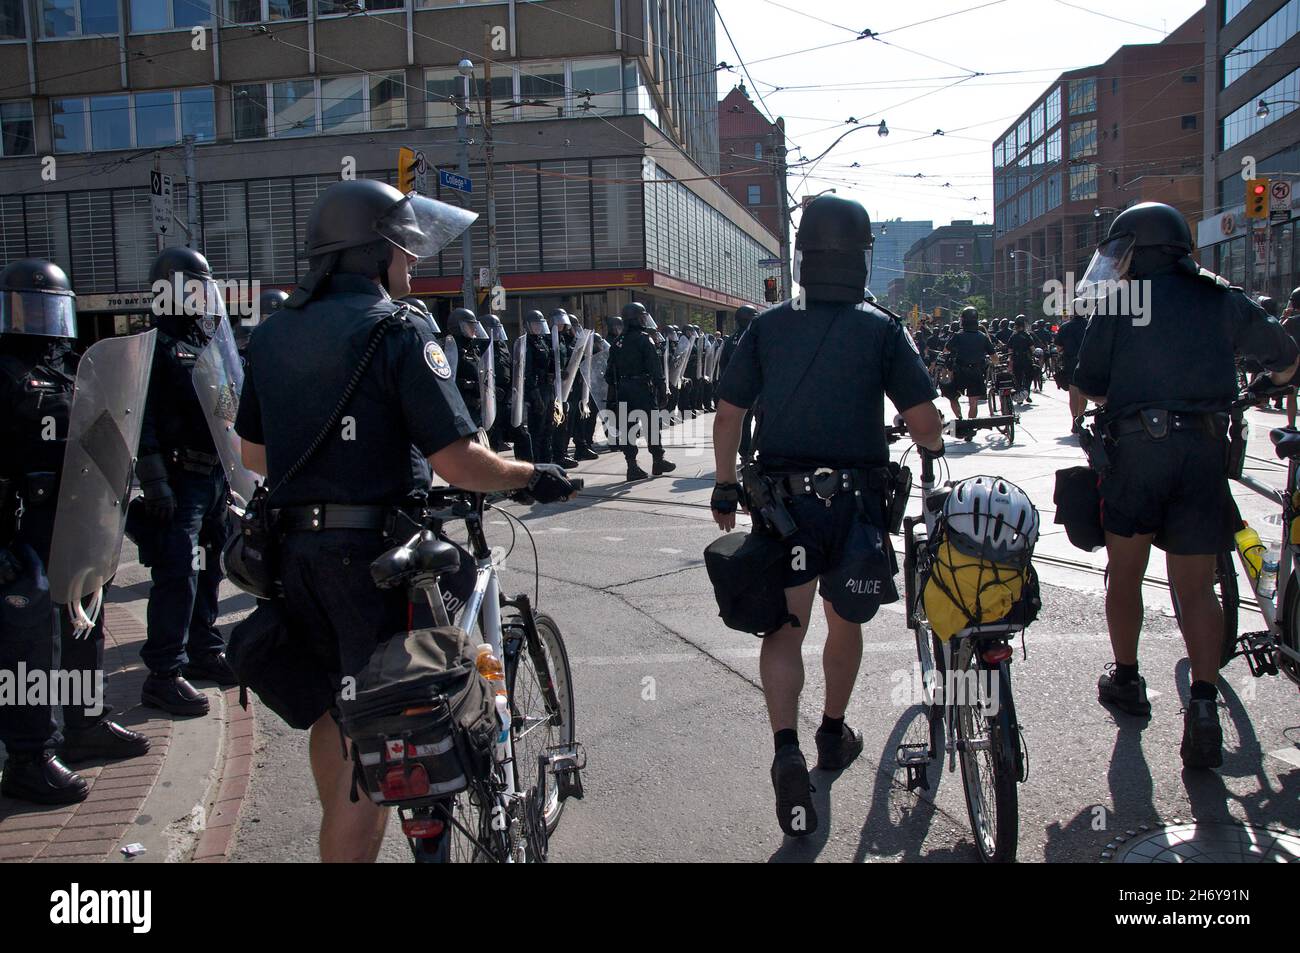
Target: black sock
{"points": [[786, 736], [1125, 674], [831, 726], [1206, 691]]}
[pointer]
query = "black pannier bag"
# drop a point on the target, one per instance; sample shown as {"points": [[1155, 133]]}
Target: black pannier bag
{"points": [[1078, 507], [420, 718], [748, 575]]}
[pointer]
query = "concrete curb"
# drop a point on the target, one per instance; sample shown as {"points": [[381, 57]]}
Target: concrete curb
{"points": [[236, 766]]}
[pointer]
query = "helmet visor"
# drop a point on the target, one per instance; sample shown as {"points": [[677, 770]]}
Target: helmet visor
{"points": [[422, 227], [471, 328], [538, 326], [1110, 263], [648, 323], [33, 312]]}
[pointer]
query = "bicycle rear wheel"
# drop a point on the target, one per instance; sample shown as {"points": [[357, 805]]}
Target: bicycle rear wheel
{"points": [[538, 724], [987, 742]]}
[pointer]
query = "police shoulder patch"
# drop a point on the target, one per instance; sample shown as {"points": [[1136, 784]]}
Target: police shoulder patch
{"points": [[436, 360]]}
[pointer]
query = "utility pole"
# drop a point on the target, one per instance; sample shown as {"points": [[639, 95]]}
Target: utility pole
{"points": [[466, 69], [787, 280], [489, 151], [191, 196]]}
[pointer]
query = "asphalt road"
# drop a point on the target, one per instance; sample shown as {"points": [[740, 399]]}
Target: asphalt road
{"points": [[670, 709]]}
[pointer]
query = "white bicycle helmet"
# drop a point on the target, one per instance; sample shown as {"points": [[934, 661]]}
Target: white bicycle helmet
{"points": [[991, 518]]}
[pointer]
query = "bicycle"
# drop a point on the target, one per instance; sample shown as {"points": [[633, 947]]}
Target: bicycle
{"points": [[974, 705], [509, 814], [1001, 384]]}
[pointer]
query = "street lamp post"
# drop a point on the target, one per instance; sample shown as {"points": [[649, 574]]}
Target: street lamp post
{"points": [[1262, 111], [466, 70]]}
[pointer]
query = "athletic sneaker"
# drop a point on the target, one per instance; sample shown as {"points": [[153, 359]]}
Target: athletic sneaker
{"points": [[837, 752], [794, 807], [1130, 699], [1202, 745]]}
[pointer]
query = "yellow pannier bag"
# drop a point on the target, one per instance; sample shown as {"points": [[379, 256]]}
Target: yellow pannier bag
{"points": [[963, 591]]}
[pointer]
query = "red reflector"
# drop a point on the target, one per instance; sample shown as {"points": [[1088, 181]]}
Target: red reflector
{"points": [[997, 654], [422, 827], [401, 783]]}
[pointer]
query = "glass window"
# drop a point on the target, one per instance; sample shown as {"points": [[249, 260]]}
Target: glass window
{"points": [[1243, 122], [758, 151], [1022, 135], [755, 195], [388, 101], [342, 104], [598, 89], [198, 117], [1232, 7], [17, 131], [441, 88], [286, 9], [385, 4], [1038, 199], [110, 122], [293, 108], [250, 111], [12, 24], [1083, 183], [1037, 119], [1083, 95], [155, 119], [325, 8], [59, 17], [98, 16], [542, 86], [1271, 34], [997, 154], [150, 15], [69, 118], [243, 11], [1054, 147], [1039, 159], [1053, 107], [1083, 138], [191, 12], [1053, 190]]}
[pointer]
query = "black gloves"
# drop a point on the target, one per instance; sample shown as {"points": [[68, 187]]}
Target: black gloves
{"points": [[159, 501], [726, 497], [549, 484], [10, 567]]}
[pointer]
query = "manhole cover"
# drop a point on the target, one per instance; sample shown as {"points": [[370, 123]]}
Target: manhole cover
{"points": [[1181, 843]]}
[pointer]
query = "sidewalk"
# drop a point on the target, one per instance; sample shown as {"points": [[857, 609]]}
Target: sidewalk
{"points": [[203, 764]]}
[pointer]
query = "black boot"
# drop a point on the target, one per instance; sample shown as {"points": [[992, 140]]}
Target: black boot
{"points": [[213, 668], [634, 472], [662, 466], [106, 741], [170, 692], [42, 779]]}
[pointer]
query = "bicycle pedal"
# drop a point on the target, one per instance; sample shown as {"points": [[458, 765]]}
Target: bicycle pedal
{"points": [[567, 763], [1258, 650], [915, 760]]}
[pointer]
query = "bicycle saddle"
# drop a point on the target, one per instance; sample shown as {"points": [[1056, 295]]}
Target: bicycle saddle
{"points": [[1287, 442], [419, 562]]}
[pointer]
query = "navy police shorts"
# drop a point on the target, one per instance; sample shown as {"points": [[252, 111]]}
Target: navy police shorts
{"points": [[850, 555]]}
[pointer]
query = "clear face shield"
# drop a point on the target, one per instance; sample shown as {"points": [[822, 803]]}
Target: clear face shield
{"points": [[200, 299], [538, 326], [422, 227], [1110, 264], [473, 329], [648, 322], [38, 314]]}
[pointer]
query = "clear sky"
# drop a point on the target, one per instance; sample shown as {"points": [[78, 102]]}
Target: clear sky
{"points": [[917, 77]]}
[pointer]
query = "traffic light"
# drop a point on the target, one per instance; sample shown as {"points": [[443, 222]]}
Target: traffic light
{"points": [[770, 290], [405, 170], [1257, 198]]}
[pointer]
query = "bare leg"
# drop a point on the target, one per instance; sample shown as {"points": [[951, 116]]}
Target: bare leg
{"points": [[780, 662], [1200, 613], [841, 659], [1127, 563], [349, 833]]}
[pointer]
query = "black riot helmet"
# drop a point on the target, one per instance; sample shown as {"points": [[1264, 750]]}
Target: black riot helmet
{"points": [[744, 315], [560, 319], [182, 295], [36, 298], [613, 326], [535, 323], [1294, 301], [1271, 306], [418, 305], [637, 318], [179, 259], [465, 324], [355, 225], [833, 250], [970, 319], [1142, 239], [269, 302]]}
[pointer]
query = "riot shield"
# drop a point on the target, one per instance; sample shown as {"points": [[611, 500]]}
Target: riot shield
{"points": [[679, 364], [218, 380], [487, 387], [576, 357], [98, 460], [559, 371], [518, 358], [598, 363], [667, 362]]}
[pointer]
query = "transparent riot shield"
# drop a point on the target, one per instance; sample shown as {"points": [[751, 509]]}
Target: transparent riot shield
{"points": [[518, 362], [679, 364], [218, 381], [487, 386], [559, 371], [598, 363], [98, 461], [576, 357]]}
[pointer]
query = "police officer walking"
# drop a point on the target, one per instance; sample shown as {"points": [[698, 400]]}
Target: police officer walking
{"points": [[1069, 339], [636, 374], [828, 366], [363, 239], [970, 349], [539, 386], [1021, 346], [185, 522], [472, 343], [1166, 379], [38, 329]]}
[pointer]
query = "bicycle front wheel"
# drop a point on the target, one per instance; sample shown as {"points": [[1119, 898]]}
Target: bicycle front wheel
{"points": [[987, 742]]}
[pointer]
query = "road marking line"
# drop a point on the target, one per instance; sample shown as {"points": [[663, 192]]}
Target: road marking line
{"points": [[559, 529], [1289, 755], [670, 552], [613, 539]]}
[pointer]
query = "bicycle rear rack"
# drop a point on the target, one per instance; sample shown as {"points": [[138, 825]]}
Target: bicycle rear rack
{"points": [[1260, 651]]}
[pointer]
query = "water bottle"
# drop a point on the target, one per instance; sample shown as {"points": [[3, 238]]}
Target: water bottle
{"points": [[1251, 549], [490, 667], [1267, 587]]}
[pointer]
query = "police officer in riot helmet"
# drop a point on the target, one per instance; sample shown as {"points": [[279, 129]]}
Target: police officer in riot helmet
{"points": [[636, 373], [826, 364], [563, 338], [421, 310], [498, 436], [268, 302], [183, 507], [472, 342], [969, 351], [613, 328], [1166, 378], [363, 239], [38, 367], [1021, 347], [539, 386]]}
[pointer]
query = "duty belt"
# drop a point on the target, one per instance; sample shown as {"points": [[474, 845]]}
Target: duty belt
{"points": [[1214, 425], [317, 517], [195, 461], [824, 483]]}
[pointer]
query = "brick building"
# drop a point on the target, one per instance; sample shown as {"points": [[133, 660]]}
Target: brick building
{"points": [[962, 248]]}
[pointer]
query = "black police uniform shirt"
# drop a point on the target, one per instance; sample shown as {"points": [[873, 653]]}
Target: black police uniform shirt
{"points": [[1021, 344], [1069, 338], [971, 348], [37, 375], [821, 375], [539, 368], [634, 360], [1183, 359], [173, 417], [299, 363]]}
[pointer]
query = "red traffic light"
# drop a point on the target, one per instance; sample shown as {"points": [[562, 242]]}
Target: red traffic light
{"points": [[1259, 190]]}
